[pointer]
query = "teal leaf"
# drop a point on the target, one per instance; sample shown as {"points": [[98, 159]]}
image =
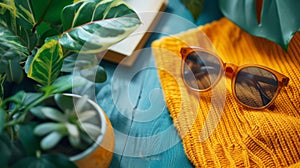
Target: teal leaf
{"points": [[64, 83], [3, 116], [96, 25], [14, 71], [86, 115], [59, 160], [46, 65], [37, 111], [27, 136], [92, 130], [76, 62], [275, 20], [74, 135], [29, 60], [5, 149], [2, 80], [16, 98], [64, 102], [95, 74], [53, 114], [51, 140], [28, 63], [33, 162], [2, 66], [30, 98], [45, 128], [194, 6], [10, 65], [10, 151]]}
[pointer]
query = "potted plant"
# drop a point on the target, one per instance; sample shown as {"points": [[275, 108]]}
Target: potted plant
{"points": [[77, 127], [40, 44], [53, 129]]}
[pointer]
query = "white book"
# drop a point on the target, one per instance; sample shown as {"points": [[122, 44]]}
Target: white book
{"points": [[148, 12]]}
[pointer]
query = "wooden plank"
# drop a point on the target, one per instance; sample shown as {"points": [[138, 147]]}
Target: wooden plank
{"points": [[145, 135], [155, 141]]}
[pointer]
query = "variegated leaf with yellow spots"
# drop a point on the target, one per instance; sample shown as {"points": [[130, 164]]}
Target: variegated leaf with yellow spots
{"points": [[47, 63]]}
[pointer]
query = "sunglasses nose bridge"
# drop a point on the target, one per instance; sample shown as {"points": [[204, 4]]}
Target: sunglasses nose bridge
{"points": [[230, 69]]}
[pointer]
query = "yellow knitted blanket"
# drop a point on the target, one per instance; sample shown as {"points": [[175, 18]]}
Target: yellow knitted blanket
{"points": [[233, 136]]}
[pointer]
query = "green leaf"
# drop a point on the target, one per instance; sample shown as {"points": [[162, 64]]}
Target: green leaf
{"points": [[5, 149], [64, 83], [33, 162], [3, 115], [16, 98], [53, 114], [194, 6], [73, 130], [74, 135], [18, 152], [10, 151], [95, 74], [45, 30], [86, 115], [51, 140], [64, 102], [81, 104], [27, 137], [14, 71], [92, 130], [96, 25], [277, 21], [25, 13], [49, 10], [29, 60], [37, 111], [46, 128], [30, 98], [10, 41], [47, 63], [17, 19], [48, 16], [59, 160], [75, 62], [10, 65], [2, 79]]}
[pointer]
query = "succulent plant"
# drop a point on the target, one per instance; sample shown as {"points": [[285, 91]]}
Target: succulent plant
{"points": [[73, 119]]}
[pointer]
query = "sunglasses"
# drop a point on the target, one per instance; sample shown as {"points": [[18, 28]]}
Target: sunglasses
{"points": [[254, 86]]}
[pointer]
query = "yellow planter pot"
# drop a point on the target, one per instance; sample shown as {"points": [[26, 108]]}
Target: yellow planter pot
{"points": [[99, 154]]}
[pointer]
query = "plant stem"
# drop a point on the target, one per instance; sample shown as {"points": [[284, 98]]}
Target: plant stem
{"points": [[38, 101], [38, 154], [20, 118]]}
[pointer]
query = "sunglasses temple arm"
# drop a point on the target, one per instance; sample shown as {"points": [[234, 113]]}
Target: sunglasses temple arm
{"points": [[265, 99], [258, 78]]}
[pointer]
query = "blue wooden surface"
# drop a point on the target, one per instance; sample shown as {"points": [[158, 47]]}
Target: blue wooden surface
{"points": [[133, 100]]}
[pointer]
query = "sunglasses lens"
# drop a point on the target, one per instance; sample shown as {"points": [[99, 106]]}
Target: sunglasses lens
{"points": [[201, 70], [255, 87]]}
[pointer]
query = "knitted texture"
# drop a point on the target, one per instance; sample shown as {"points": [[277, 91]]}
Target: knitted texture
{"points": [[215, 134]]}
